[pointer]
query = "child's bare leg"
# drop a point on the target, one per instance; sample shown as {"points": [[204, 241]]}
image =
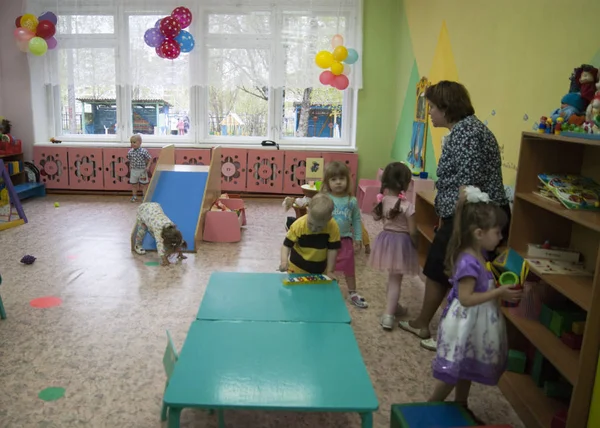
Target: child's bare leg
{"points": [[351, 283], [393, 293], [461, 394], [441, 391]]}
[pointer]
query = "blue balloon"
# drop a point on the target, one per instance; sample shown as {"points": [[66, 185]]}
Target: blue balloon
{"points": [[185, 41], [352, 56]]}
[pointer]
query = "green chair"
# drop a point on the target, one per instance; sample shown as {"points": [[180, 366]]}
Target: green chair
{"points": [[2, 311], [169, 360]]}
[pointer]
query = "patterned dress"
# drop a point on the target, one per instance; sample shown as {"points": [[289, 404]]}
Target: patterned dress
{"points": [[151, 218], [472, 342]]}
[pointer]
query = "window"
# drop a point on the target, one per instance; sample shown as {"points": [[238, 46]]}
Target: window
{"points": [[250, 77]]}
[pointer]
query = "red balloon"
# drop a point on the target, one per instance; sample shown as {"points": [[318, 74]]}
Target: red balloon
{"points": [[170, 27], [341, 82], [170, 49], [159, 52], [45, 29], [183, 16], [326, 77], [18, 21]]}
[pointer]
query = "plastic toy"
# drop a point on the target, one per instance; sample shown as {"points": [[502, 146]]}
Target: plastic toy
{"points": [[438, 415], [307, 280], [28, 260], [516, 361], [510, 278], [573, 191]]}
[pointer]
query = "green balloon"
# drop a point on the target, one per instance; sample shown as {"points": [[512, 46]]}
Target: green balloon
{"points": [[38, 46]]}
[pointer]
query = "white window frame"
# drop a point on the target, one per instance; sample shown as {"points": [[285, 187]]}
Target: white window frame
{"points": [[46, 98]]}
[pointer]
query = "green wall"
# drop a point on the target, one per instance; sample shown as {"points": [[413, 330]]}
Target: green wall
{"points": [[380, 100]]}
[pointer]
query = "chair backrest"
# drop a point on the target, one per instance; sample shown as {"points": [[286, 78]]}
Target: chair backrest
{"points": [[170, 358]]}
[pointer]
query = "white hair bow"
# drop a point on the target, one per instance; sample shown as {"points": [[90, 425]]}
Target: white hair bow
{"points": [[475, 195]]}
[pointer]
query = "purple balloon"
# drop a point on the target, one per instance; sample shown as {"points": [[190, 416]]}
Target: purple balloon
{"points": [[157, 23], [51, 42], [153, 37], [50, 16]]}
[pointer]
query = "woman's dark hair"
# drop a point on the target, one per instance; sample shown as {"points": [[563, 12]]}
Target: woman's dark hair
{"points": [[452, 98], [395, 179], [333, 170], [470, 216]]}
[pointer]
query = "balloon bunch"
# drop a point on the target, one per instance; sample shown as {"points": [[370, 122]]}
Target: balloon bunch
{"points": [[168, 36], [338, 62], [36, 35]]}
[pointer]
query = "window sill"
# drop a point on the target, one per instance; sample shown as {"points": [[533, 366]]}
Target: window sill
{"points": [[154, 145]]}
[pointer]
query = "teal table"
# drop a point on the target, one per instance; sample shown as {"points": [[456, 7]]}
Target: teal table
{"points": [[314, 367], [263, 297]]}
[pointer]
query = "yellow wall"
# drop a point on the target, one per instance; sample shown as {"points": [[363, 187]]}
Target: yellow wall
{"points": [[514, 56]]}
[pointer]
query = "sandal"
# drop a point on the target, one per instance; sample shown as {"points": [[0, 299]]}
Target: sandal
{"points": [[423, 333], [358, 301], [429, 344]]}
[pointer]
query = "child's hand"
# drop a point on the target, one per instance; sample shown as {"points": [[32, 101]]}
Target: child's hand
{"points": [[510, 294], [283, 267], [331, 275], [357, 246]]}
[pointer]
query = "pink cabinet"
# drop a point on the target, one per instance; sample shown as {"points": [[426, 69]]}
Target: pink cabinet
{"points": [[192, 156], [294, 170], [53, 165], [85, 168], [233, 169], [116, 169], [265, 171]]}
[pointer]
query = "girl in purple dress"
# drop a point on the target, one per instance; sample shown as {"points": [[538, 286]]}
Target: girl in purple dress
{"points": [[472, 344]]}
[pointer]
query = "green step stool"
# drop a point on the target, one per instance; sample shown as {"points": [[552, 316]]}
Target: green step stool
{"points": [[430, 415]]}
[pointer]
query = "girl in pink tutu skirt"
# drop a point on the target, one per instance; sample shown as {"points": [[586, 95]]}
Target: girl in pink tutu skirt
{"points": [[471, 343], [394, 249]]}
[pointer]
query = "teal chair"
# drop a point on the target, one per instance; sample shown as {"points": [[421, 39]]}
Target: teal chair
{"points": [[2, 311]]}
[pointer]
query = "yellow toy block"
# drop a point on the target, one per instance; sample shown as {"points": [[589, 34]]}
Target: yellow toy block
{"points": [[578, 327]]}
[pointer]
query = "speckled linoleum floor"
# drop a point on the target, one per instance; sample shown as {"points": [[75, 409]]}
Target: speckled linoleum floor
{"points": [[104, 344]]}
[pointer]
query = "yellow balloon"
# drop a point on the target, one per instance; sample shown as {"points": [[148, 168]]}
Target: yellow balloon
{"points": [[340, 53], [337, 68], [324, 59], [29, 22]]}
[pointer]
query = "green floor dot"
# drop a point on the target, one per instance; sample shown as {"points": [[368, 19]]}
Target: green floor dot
{"points": [[152, 264], [51, 394]]}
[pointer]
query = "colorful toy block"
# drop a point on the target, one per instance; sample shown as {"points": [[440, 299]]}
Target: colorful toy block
{"points": [[307, 279], [572, 340], [558, 389], [578, 327], [559, 420], [562, 321], [546, 316], [542, 370], [516, 361], [438, 415]]}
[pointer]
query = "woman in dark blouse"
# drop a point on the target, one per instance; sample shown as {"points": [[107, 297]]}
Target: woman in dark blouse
{"points": [[470, 156]]}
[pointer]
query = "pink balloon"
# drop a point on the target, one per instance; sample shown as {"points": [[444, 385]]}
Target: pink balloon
{"points": [[23, 45], [23, 34], [336, 41], [52, 43], [326, 77], [183, 16], [341, 82]]}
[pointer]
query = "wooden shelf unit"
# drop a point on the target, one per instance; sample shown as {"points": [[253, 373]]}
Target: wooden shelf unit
{"points": [[534, 220], [20, 177]]}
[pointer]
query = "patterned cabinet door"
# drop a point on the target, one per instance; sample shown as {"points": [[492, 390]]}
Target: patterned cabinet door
{"points": [[53, 165], [85, 168], [155, 153], [116, 169], [351, 161], [192, 156], [294, 170], [265, 171], [233, 169]]}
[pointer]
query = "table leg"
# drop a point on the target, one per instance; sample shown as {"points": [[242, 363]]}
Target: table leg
{"points": [[174, 415], [367, 420], [221, 418]]}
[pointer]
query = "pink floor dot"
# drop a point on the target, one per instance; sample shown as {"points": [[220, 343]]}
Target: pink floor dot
{"points": [[45, 302], [71, 257]]}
